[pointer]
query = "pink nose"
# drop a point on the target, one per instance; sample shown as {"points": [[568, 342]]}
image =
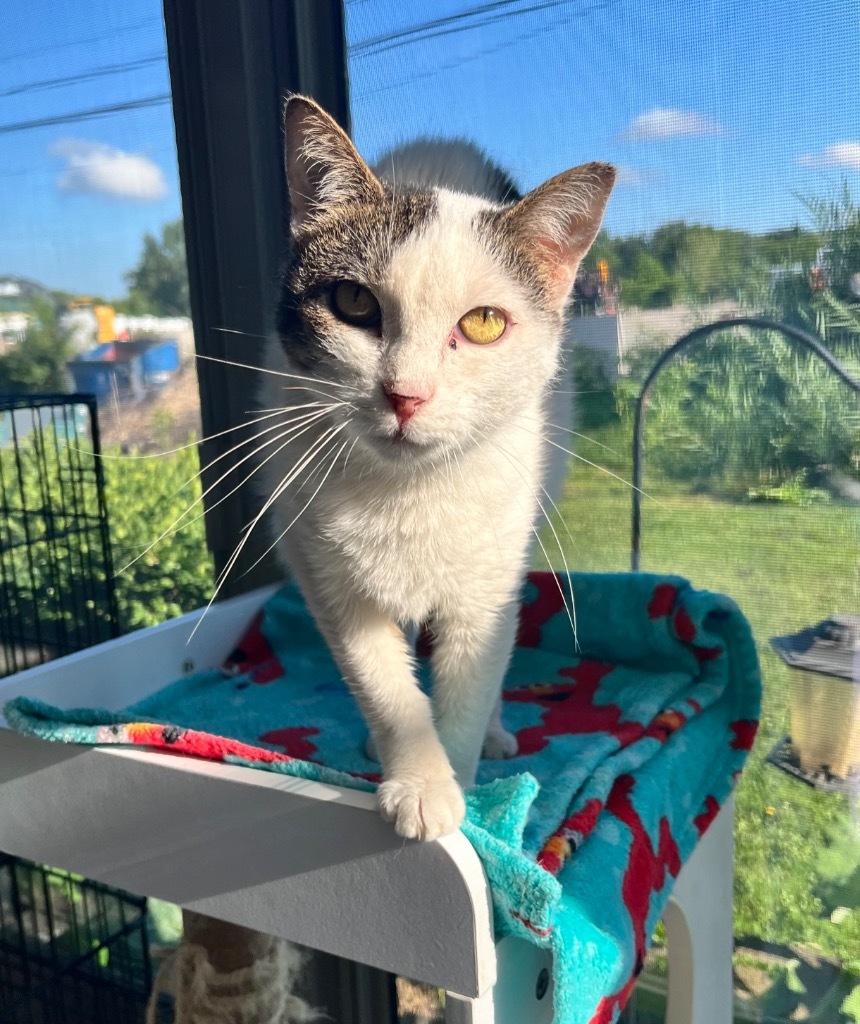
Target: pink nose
{"points": [[405, 405]]}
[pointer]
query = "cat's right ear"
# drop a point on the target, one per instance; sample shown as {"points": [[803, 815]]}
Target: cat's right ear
{"points": [[323, 167], [557, 222]]}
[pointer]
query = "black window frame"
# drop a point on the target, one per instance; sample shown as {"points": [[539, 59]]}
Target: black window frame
{"points": [[231, 64]]}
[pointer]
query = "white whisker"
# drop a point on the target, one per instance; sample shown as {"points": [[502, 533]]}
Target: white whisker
{"points": [[594, 465], [192, 444], [584, 437], [278, 491], [276, 373], [175, 525], [571, 612], [608, 472], [281, 536], [568, 430], [354, 443]]}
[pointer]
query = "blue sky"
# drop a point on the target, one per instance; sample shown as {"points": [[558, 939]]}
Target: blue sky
{"points": [[720, 113]]}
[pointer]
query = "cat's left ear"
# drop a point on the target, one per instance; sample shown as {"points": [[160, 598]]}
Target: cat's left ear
{"points": [[557, 222], [323, 167]]}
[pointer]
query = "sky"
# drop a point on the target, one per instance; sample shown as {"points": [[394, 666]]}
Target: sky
{"points": [[721, 113]]}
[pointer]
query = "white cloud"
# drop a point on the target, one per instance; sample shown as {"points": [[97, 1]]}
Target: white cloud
{"points": [[637, 177], [97, 168], [665, 123], [840, 154]]}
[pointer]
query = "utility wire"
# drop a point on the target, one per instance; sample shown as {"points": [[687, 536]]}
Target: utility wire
{"points": [[85, 76], [463, 21], [40, 51], [85, 115]]}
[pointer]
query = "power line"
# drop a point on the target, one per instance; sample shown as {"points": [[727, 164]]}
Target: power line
{"points": [[84, 76], [40, 51], [462, 21], [85, 115]]}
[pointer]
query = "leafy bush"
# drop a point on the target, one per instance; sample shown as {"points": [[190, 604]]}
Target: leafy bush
{"points": [[148, 496], [737, 412]]}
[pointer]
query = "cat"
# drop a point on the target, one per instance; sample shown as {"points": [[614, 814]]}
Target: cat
{"points": [[419, 333]]}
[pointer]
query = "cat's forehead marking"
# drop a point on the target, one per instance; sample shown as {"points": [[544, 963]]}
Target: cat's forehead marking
{"points": [[356, 242]]}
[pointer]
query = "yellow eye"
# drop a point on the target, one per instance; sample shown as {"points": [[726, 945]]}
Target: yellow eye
{"points": [[355, 304], [483, 325]]}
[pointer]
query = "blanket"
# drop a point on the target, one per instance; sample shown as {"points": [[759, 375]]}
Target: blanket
{"points": [[630, 739]]}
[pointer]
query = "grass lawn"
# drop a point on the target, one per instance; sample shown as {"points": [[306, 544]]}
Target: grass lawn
{"points": [[797, 857]]}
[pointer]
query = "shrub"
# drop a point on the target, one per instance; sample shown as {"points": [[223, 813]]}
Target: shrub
{"points": [[738, 411], [148, 497]]}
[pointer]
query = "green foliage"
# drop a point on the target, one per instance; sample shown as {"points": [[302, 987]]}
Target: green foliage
{"points": [[700, 264], [743, 410], [159, 282], [793, 491], [147, 497], [648, 284], [38, 363], [837, 219]]}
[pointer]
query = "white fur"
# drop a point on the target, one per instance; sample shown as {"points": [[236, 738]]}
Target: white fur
{"points": [[436, 526]]}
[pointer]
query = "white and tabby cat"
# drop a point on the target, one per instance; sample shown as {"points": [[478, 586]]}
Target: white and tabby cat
{"points": [[421, 319]]}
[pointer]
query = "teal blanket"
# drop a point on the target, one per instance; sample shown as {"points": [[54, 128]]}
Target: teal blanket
{"points": [[629, 744]]}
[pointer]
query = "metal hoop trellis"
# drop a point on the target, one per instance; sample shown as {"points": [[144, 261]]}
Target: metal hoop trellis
{"points": [[795, 333]]}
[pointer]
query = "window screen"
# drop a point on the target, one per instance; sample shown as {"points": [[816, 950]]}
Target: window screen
{"points": [[93, 284], [737, 142]]}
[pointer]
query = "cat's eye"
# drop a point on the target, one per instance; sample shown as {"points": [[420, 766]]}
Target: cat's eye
{"points": [[355, 304], [483, 325]]}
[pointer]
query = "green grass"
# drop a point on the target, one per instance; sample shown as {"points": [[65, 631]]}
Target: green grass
{"points": [[787, 567]]}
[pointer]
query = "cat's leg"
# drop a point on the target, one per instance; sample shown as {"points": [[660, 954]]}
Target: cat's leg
{"points": [[419, 793], [470, 656], [411, 634], [499, 744]]}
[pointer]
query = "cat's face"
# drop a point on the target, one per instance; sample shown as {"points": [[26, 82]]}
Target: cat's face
{"points": [[441, 313]]}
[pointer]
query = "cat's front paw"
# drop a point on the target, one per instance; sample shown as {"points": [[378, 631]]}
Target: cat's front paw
{"points": [[499, 745], [422, 809]]}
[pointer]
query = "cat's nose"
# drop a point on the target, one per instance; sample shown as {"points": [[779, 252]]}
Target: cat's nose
{"points": [[406, 399]]}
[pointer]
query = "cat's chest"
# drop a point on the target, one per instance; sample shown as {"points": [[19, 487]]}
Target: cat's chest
{"points": [[419, 544]]}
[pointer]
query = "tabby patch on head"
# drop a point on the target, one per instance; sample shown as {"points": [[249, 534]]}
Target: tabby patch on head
{"points": [[431, 289]]}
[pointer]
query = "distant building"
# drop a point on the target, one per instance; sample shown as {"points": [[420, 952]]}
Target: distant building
{"points": [[16, 298]]}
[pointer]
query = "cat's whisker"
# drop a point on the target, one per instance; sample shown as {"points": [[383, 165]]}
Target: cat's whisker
{"points": [[192, 444], [346, 460], [593, 391], [276, 373], [247, 533], [608, 472], [292, 423], [316, 391], [594, 465], [571, 612], [584, 437], [310, 452], [175, 526], [292, 522], [244, 334]]}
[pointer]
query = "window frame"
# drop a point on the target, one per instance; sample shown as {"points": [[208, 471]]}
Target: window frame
{"points": [[231, 64]]}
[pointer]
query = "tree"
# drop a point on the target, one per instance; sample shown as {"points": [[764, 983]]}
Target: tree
{"points": [[646, 283], [159, 282], [38, 363]]}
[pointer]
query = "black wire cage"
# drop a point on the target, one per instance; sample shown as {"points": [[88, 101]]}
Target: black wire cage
{"points": [[72, 951], [57, 590]]}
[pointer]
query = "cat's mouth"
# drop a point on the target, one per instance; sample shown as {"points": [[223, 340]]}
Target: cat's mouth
{"points": [[402, 443]]}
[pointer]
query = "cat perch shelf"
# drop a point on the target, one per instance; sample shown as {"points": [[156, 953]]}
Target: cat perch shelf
{"points": [[309, 862]]}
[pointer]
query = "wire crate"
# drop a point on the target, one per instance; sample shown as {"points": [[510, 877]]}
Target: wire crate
{"points": [[57, 590], [72, 951]]}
